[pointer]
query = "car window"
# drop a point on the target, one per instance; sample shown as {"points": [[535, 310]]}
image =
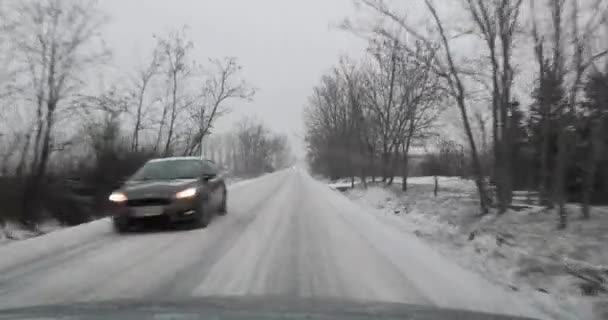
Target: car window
{"points": [[170, 170], [209, 168]]}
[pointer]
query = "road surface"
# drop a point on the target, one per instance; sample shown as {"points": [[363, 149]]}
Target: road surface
{"points": [[285, 234]]}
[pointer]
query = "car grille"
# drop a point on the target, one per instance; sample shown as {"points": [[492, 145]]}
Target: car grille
{"points": [[148, 202]]}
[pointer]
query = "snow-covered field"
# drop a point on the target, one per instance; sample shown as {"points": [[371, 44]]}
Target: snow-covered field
{"points": [[286, 234], [521, 250]]}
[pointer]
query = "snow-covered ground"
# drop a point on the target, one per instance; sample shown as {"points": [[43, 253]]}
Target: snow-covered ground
{"points": [[520, 250], [285, 234], [14, 232]]}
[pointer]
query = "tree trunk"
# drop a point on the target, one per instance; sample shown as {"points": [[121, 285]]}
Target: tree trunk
{"points": [[31, 194], [543, 177], [405, 172], [391, 169], [502, 163], [363, 164], [393, 163], [46, 143], [372, 165], [235, 161], [352, 163], [406, 150], [167, 151], [140, 103], [385, 164], [559, 193], [173, 115], [459, 93], [479, 177], [498, 133], [24, 155], [595, 149], [38, 138], [161, 127], [544, 192], [506, 113]]}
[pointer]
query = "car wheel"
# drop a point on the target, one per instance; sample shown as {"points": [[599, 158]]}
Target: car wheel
{"points": [[121, 225], [202, 216], [223, 209]]}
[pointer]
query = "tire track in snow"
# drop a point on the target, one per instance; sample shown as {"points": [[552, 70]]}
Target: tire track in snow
{"points": [[237, 271], [84, 273], [187, 278], [11, 276], [96, 267], [34, 250]]}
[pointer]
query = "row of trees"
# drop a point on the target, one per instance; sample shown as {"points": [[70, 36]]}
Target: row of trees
{"points": [[364, 117], [554, 143], [249, 150], [57, 122]]}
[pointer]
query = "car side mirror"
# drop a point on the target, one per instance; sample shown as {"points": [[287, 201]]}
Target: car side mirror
{"points": [[208, 176]]}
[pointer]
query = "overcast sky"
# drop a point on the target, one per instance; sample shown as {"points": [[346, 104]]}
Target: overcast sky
{"points": [[284, 45]]}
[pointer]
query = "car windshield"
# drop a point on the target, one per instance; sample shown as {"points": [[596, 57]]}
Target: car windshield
{"points": [[169, 170]]}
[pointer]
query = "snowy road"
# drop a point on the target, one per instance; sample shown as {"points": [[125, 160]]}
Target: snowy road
{"points": [[285, 234]]}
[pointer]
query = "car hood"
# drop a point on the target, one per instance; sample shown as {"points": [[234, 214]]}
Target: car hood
{"points": [[156, 188], [244, 308]]}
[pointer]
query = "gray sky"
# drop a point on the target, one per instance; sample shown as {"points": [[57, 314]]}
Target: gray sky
{"points": [[284, 45]]}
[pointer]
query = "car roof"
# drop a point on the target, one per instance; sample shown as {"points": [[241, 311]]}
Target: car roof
{"points": [[179, 158]]}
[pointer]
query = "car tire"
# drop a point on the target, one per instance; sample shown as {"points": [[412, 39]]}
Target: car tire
{"points": [[202, 217], [121, 225], [222, 211]]}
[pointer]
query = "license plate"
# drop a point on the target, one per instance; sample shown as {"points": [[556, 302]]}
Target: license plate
{"points": [[147, 211]]}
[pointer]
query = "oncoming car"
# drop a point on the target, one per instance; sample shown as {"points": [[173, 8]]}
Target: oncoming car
{"points": [[170, 190]]}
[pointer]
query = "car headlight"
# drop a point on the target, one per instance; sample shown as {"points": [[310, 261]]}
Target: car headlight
{"points": [[188, 193], [118, 197]]}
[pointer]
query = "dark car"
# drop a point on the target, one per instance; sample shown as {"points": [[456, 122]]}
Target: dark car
{"points": [[170, 190]]}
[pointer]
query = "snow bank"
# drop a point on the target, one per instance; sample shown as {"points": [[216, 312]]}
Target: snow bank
{"points": [[14, 232], [521, 250]]}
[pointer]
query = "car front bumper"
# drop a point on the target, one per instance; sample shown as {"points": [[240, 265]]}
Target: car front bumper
{"points": [[175, 211]]}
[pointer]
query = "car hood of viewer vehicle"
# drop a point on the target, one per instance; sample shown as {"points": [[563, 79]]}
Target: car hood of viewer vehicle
{"points": [[155, 188], [244, 308]]}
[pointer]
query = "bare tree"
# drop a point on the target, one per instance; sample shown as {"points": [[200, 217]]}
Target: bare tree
{"points": [[258, 150], [422, 100], [378, 106], [539, 53], [496, 21], [223, 85], [175, 49], [382, 84], [581, 59], [329, 127], [458, 91], [360, 134], [445, 66], [101, 118], [597, 108], [143, 80], [55, 40]]}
